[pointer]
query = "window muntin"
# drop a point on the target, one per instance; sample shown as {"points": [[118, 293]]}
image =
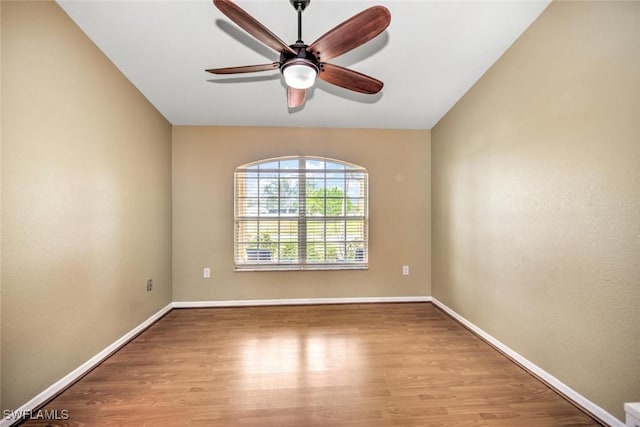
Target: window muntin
{"points": [[301, 213]]}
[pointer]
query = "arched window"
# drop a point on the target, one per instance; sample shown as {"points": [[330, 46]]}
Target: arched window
{"points": [[301, 213]]}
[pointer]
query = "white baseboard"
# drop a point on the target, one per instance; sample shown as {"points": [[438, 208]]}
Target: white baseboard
{"points": [[73, 376], [570, 393], [297, 301]]}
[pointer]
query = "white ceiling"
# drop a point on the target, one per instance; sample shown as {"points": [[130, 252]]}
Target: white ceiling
{"points": [[429, 56]]}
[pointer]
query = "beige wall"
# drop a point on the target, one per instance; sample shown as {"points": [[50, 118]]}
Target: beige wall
{"points": [[86, 180], [0, 207], [204, 159], [536, 200]]}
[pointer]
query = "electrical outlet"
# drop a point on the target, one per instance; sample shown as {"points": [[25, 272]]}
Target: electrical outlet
{"points": [[206, 273], [149, 285], [405, 270]]}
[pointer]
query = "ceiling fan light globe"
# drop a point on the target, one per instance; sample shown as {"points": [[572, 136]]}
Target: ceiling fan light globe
{"points": [[299, 76]]}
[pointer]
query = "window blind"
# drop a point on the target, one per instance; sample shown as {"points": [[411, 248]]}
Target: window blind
{"points": [[301, 213]]}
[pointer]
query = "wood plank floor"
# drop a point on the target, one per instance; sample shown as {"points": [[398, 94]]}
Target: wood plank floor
{"points": [[368, 365]]}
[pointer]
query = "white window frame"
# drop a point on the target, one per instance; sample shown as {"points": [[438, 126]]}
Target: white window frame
{"points": [[284, 196]]}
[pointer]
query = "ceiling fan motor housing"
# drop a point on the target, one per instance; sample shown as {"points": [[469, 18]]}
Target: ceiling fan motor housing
{"points": [[303, 57]]}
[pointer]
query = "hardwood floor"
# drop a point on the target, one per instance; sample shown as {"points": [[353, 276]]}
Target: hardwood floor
{"points": [[368, 365]]}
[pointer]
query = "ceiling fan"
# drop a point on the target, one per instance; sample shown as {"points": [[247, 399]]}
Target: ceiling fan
{"points": [[300, 63]]}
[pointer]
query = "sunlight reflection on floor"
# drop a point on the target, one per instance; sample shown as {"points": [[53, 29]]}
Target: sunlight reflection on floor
{"points": [[296, 353]]}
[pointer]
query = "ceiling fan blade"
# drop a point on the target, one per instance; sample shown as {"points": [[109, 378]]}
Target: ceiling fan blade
{"points": [[349, 79], [251, 25], [244, 69], [352, 33], [296, 97]]}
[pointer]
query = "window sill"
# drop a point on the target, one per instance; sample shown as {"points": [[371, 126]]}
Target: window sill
{"points": [[296, 267]]}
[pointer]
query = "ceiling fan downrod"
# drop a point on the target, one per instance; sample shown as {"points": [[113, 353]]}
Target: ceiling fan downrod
{"points": [[300, 6]]}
